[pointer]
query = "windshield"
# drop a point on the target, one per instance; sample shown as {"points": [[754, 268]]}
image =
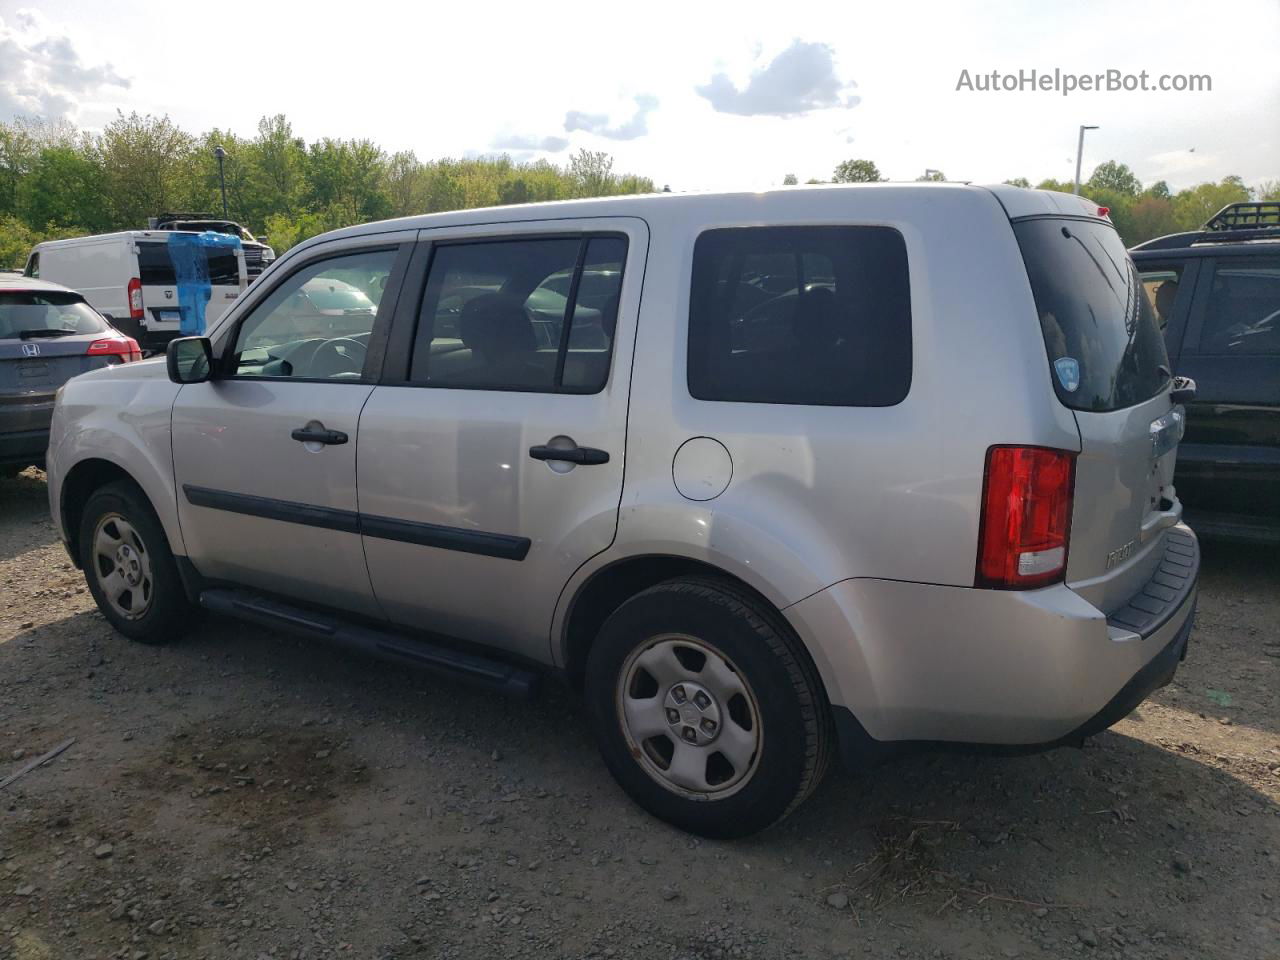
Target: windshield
{"points": [[46, 313], [328, 294], [1103, 341]]}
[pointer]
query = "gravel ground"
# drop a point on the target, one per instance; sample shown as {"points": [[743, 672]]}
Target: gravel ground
{"points": [[241, 794]]}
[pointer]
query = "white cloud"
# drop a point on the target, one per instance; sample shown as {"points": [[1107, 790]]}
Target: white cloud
{"points": [[598, 123], [42, 74], [799, 80], [520, 142]]}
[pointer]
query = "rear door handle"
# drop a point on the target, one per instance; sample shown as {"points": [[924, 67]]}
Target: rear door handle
{"points": [[586, 456], [314, 433]]}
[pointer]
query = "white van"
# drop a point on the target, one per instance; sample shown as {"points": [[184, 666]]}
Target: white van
{"points": [[129, 277]]}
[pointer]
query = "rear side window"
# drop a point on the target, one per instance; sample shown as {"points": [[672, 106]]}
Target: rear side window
{"points": [[534, 315], [1162, 285], [1100, 331], [1242, 314], [155, 269], [800, 315]]}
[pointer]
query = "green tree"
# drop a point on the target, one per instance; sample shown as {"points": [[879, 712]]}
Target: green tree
{"points": [[789, 180], [1269, 190], [1058, 186], [1194, 206], [1152, 216], [855, 171], [1158, 189], [62, 188], [592, 173], [279, 169], [1019, 182], [146, 166], [1114, 176], [932, 176]]}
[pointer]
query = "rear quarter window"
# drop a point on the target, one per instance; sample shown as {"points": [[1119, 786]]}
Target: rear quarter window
{"points": [[1104, 344], [800, 315]]}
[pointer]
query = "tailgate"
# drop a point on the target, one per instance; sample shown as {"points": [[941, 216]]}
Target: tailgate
{"points": [[1124, 499], [39, 366], [1109, 367]]}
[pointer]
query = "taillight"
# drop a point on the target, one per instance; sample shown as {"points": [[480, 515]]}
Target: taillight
{"points": [[125, 348], [1026, 517], [135, 299]]}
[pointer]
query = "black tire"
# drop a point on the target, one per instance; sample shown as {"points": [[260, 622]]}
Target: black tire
{"points": [[796, 733], [166, 612]]}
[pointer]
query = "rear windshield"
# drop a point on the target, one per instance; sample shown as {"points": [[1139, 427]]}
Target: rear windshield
{"points": [[41, 313], [1104, 345], [155, 267]]}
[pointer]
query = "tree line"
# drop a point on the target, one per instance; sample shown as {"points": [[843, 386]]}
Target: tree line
{"points": [[58, 181], [1139, 213]]}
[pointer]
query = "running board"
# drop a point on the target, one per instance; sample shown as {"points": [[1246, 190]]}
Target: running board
{"points": [[508, 679]]}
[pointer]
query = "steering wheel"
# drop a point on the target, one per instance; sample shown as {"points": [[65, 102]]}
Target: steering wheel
{"points": [[339, 357]]}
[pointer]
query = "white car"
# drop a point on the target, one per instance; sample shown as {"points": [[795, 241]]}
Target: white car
{"points": [[843, 469], [129, 277]]}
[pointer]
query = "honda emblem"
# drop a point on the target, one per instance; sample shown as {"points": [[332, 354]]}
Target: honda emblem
{"points": [[31, 349]]}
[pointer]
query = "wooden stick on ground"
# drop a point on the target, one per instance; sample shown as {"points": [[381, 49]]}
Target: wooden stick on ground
{"points": [[38, 761]]}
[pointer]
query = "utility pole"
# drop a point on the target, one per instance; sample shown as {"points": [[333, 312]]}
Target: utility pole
{"points": [[222, 176], [1079, 156]]}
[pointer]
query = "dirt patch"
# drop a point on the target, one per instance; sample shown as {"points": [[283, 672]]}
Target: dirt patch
{"points": [[265, 797]]}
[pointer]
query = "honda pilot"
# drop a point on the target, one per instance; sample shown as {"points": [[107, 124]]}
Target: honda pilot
{"points": [[812, 472]]}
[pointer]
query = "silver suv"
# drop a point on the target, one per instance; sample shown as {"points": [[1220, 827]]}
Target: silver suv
{"points": [[767, 476]]}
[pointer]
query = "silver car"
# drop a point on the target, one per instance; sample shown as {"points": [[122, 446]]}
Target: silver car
{"points": [[814, 471]]}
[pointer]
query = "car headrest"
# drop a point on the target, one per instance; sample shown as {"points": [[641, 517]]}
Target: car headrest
{"points": [[815, 323], [609, 315], [1166, 294], [495, 325]]}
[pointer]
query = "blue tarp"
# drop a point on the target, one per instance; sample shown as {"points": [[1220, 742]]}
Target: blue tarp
{"points": [[190, 255]]}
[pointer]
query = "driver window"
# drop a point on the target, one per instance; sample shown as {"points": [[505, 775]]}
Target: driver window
{"points": [[316, 325]]}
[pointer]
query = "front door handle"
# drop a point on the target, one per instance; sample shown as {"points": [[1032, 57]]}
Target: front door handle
{"points": [[316, 433], [585, 456]]}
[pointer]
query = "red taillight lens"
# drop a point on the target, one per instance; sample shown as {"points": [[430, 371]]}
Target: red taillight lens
{"points": [[1026, 517], [135, 299], [126, 348]]}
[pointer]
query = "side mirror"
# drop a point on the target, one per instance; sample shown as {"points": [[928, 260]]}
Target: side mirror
{"points": [[189, 359], [1184, 390]]}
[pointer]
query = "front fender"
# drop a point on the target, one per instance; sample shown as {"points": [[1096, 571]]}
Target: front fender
{"points": [[120, 415]]}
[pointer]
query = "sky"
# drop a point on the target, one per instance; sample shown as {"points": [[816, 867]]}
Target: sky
{"points": [[696, 95]]}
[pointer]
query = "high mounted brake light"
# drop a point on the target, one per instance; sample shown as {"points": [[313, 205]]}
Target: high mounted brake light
{"points": [[1026, 517], [1104, 211]]}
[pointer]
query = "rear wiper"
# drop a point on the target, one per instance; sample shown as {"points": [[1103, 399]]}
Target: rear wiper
{"points": [[33, 334]]}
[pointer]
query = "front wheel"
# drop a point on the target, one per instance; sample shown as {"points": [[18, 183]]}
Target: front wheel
{"points": [[708, 712], [129, 567]]}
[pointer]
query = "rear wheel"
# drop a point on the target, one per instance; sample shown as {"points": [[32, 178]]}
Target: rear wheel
{"points": [[708, 712], [129, 567]]}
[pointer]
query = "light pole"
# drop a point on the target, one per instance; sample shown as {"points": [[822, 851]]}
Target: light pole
{"points": [[1079, 156], [222, 176]]}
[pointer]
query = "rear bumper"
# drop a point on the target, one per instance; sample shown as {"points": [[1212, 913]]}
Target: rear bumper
{"points": [[24, 428], [910, 664]]}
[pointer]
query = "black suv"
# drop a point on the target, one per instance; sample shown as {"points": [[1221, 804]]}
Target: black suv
{"points": [[1216, 293], [257, 254]]}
